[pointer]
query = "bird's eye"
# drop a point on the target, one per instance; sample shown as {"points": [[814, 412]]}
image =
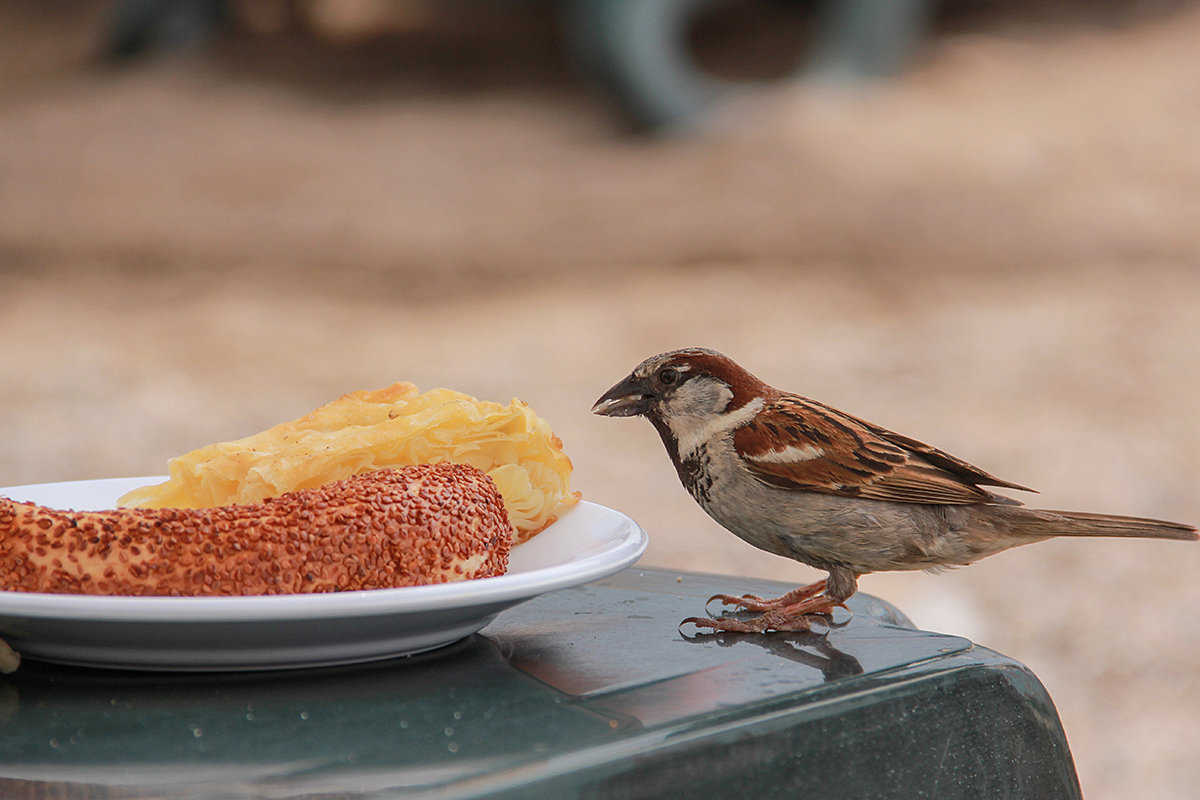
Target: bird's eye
{"points": [[668, 376]]}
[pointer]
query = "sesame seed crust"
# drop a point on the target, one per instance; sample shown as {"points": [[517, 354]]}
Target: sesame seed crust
{"points": [[410, 526]]}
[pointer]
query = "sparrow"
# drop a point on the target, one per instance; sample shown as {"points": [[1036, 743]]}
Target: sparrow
{"points": [[805, 481]]}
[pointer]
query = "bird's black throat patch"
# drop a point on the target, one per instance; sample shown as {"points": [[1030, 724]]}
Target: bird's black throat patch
{"points": [[692, 471]]}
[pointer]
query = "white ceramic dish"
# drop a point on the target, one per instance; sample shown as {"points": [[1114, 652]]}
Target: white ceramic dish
{"points": [[587, 543]]}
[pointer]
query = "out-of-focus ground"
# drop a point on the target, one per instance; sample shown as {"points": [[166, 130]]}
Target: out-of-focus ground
{"points": [[997, 252]]}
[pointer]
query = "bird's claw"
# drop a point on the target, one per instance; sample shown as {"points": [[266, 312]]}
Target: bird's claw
{"points": [[795, 611], [746, 602]]}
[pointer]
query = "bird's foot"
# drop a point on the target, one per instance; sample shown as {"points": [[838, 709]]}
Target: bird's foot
{"points": [[752, 602], [794, 611]]}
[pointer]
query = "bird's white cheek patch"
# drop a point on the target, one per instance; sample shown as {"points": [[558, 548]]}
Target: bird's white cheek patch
{"points": [[691, 432], [789, 455]]}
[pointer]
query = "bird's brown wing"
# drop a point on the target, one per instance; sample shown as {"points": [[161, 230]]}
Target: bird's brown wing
{"points": [[796, 443]]}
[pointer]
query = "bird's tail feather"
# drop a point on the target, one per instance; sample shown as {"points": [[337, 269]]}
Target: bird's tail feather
{"points": [[1081, 523]]}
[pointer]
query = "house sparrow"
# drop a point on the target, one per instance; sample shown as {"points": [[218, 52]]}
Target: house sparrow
{"points": [[802, 480]]}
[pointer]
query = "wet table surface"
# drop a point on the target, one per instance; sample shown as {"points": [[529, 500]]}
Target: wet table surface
{"points": [[593, 691]]}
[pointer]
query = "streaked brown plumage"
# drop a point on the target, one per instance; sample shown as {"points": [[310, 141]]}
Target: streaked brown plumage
{"points": [[803, 480], [396, 527]]}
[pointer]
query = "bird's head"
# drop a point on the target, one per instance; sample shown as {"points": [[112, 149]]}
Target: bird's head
{"points": [[681, 384]]}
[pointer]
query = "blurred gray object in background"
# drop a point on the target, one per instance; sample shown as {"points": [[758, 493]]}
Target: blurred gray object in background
{"points": [[641, 51], [646, 53], [139, 25]]}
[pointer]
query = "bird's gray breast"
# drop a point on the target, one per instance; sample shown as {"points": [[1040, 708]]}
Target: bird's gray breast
{"points": [[726, 491]]}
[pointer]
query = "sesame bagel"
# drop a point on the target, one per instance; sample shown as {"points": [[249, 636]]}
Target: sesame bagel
{"points": [[411, 526]]}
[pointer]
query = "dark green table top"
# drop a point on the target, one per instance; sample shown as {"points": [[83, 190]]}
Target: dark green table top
{"points": [[590, 692]]}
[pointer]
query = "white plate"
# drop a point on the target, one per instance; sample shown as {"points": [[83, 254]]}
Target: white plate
{"points": [[587, 543]]}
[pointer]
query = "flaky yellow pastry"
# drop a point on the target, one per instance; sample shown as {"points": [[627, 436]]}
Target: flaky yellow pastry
{"points": [[368, 430], [397, 527]]}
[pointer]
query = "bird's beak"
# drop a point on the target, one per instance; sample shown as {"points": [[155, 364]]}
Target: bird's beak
{"points": [[629, 398]]}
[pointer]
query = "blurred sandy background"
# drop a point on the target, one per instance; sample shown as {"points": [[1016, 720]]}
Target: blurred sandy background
{"points": [[996, 252]]}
